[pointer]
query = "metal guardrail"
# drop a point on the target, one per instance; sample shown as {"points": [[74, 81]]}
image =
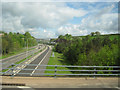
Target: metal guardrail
{"points": [[83, 70]]}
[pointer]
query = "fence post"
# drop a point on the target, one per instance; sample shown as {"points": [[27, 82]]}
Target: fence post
{"points": [[94, 72], [12, 75], [55, 71]]}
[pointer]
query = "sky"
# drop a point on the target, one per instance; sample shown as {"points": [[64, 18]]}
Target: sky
{"points": [[51, 19]]}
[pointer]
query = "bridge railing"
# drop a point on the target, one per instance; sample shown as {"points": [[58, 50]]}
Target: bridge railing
{"points": [[60, 70]]}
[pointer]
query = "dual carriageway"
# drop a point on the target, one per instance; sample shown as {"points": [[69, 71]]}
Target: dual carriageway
{"points": [[40, 58]]}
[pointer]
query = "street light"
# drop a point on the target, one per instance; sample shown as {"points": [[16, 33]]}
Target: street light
{"points": [[26, 44], [27, 47]]}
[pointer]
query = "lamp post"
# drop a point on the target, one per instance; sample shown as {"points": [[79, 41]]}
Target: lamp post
{"points": [[26, 44]]}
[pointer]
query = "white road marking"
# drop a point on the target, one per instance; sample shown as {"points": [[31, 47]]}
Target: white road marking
{"points": [[29, 61], [38, 64], [118, 88], [23, 87]]}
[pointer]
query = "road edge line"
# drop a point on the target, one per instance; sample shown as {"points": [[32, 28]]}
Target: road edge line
{"points": [[39, 64]]}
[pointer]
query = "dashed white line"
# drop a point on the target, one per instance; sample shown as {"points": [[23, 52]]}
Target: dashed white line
{"points": [[118, 88], [23, 87], [29, 61], [38, 64]]}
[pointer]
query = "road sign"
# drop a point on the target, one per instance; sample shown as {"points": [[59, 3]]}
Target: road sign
{"points": [[53, 54]]}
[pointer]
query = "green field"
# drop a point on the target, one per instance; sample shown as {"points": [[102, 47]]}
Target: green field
{"points": [[111, 36], [57, 60]]}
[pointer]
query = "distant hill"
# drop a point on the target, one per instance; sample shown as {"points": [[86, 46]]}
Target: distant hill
{"points": [[42, 40], [111, 36]]}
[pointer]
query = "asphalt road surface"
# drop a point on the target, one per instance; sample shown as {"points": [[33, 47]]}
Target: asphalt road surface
{"points": [[42, 59], [8, 61]]}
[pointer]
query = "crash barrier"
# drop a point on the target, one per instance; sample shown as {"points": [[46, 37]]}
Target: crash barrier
{"points": [[91, 71]]}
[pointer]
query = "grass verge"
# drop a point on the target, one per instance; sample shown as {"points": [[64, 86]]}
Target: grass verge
{"points": [[57, 60]]}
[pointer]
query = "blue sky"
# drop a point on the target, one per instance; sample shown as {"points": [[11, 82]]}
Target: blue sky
{"points": [[90, 6], [49, 20]]}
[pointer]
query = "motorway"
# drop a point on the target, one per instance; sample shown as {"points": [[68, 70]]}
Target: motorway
{"points": [[13, 59], [43, 59]]}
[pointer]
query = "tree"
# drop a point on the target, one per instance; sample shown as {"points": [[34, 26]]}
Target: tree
{"points": [[97, 33], [92, 33], [14, 41], [60, 37], [27, 35], [99, 50], [106, 41], [0, 46], [4, 46]]}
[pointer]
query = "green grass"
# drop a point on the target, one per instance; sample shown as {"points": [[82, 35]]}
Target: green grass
{"points": [[57, 60], [38, 52], [14, 53], [111, 36], [7, 69], [23, 60]]}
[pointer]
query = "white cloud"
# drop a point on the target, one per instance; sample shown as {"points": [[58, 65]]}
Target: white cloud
{"points": [[102, 20], [12, 24], [60, 0], [41, 14], [74, 30], [44, 31], [21, 17], [43, 34], [107, 23], [105, 10]]}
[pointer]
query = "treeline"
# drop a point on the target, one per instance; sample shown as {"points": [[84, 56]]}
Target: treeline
{"points": [[15, 41], [100, 50]]}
